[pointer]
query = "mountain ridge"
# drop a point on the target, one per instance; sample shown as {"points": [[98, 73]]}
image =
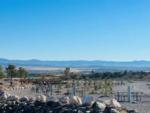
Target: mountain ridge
{"points": [[75, 63]]}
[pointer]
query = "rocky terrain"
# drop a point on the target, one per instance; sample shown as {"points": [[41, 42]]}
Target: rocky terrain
{"points": [[43, 104], [20, 99]]}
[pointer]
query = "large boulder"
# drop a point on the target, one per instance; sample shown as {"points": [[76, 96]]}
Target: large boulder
{"points": [[13, 98], [113, 103], [41, 98], [110, 110], [4, 95], [54, 105], [38, 98], [75, 100], [123, 111], [52, 98], [24, 99], [88, 100], [99, 106], [65, 100], [114, 111], [32, 99]]}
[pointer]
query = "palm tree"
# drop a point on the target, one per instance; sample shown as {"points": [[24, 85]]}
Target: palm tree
{"points": [[11, 72]]}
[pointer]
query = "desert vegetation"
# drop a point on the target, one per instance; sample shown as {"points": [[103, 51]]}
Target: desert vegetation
{"points": [[120, 75], [102, 85]]}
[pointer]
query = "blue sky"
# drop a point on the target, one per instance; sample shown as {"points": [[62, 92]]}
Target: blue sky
{"points": [[75, 29]]}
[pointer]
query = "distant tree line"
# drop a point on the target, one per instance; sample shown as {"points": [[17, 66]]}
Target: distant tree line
{"points": [[138, 75], [11, 71]]}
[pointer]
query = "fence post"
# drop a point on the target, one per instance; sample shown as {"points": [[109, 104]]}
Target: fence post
{"points": [[51, 89], [73, 89], [129, 94]]}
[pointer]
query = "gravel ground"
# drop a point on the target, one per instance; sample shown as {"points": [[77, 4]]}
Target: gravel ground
{"points": [[140, 107], [137, 86]]}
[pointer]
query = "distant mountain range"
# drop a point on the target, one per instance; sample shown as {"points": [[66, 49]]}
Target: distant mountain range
{"points": [[79, 63]]}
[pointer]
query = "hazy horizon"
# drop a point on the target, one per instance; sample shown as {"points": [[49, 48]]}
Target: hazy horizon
{"points": [[109, 60], [75, 60]]}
